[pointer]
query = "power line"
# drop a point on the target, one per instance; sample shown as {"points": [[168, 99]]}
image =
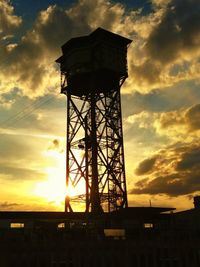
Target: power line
{"points": [[26, 112]]}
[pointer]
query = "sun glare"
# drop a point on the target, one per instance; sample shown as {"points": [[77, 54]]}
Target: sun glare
{"points": [[54, 188]]}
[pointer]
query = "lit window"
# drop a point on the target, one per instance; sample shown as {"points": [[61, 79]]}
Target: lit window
{"points": [[120, 233], [148, 225], [17, 225], [61, 225]]}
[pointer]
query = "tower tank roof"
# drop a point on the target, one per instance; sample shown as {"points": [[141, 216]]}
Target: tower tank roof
{"points": [[98, 35]]}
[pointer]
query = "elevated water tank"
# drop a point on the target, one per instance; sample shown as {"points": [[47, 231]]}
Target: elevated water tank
{"points": [[97, 62]]}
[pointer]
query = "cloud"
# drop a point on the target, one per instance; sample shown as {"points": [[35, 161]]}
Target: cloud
{"points": [[160, 3], [146, 166], [171, 118], [172, 185], [158, 127], [56, 145], [192, 117], [147, 73], [98, 13], [182, 124], [176, 172], [178, 34], [12, 148], [20, 150], [8, 21], [153, 118], [29, 64], [153, 63], [169, 52], [190, 160], [43, 117], [160, 100], [19, 173], [8, 205]]}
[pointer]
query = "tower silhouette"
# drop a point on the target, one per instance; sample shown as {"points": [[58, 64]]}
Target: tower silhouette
{"points": [[93, 69]]}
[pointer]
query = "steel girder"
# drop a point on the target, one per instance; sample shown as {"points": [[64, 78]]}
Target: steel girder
{"points": [[95, 152]]}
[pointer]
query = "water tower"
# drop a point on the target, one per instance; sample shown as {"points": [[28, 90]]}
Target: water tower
{"points": [[93, 69]]}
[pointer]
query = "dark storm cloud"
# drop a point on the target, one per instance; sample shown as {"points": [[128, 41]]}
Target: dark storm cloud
{"points": [[178, 32], [177, 172], [145, 166]]}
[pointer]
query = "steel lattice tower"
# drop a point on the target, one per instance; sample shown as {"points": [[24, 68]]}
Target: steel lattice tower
{"points": [[93, 69]]}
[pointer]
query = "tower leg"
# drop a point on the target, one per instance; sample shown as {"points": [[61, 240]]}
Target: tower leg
{"points": [[95, 200]]}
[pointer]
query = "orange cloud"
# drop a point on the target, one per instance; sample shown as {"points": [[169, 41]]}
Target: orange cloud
{"points": [[176, 172]]}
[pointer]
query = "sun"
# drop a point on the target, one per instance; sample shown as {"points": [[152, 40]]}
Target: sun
{"points": [[54, 189]]}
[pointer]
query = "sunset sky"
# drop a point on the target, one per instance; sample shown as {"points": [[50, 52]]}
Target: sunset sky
{"points": [[160, 99]]}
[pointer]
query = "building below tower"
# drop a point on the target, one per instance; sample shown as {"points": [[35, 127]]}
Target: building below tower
{"points": [[138, 237]]}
